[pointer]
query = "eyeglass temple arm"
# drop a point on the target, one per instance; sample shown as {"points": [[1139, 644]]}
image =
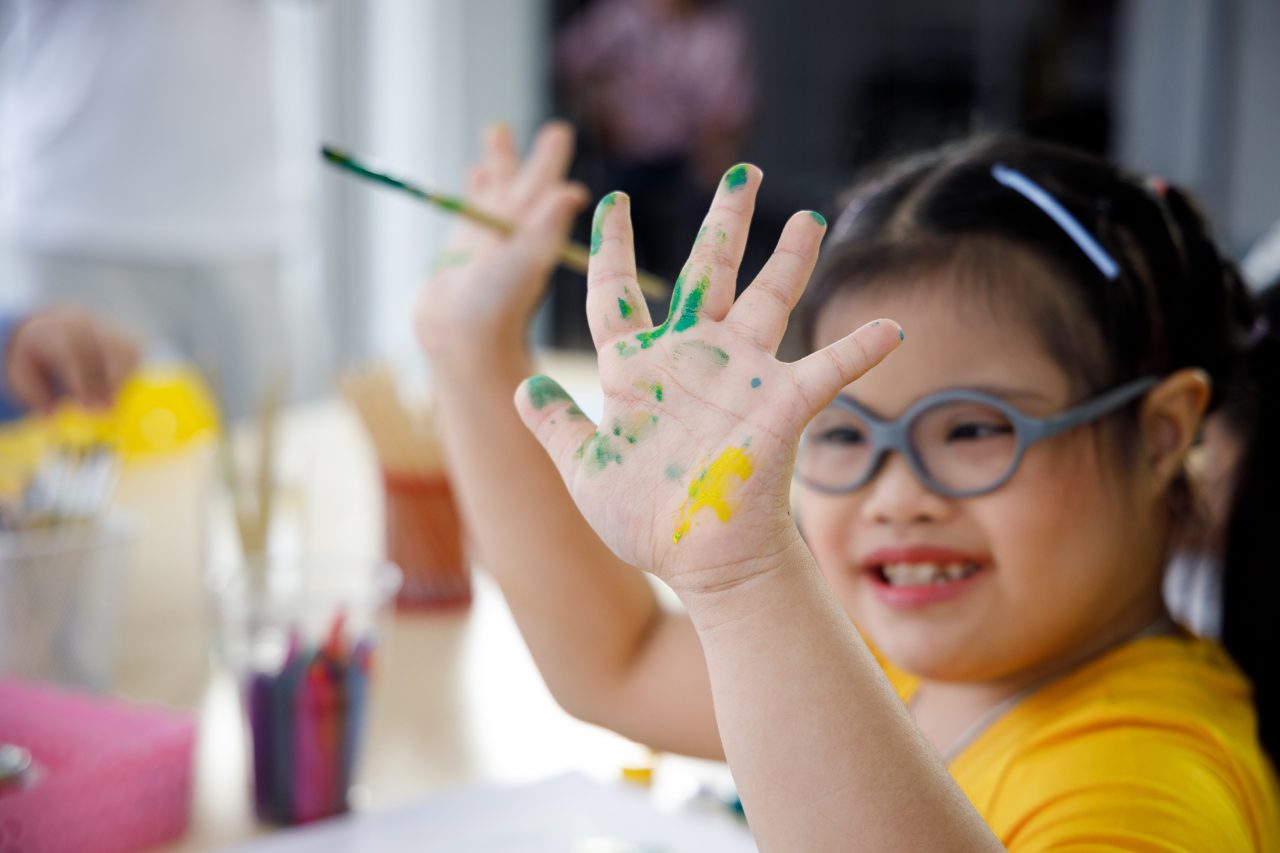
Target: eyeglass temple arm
{"points": [[1091, 409]]}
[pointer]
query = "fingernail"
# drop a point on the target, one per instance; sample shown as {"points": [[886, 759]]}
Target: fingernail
{"points": [[736, 178], [818, 218]]}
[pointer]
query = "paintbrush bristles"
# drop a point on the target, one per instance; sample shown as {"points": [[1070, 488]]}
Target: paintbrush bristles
{"points": [[404, 439]]}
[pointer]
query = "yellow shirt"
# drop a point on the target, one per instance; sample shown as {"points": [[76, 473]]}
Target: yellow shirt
{"points": [[1151, 747]]}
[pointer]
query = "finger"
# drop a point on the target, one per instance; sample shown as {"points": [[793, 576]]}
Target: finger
{"points": [[91, 358], [615, 306], [547, 163], [542, 232], [711, 276], [763, 309], [27, 382], [120, 357], [59, 368], [501, 156], [555, 421], [822, 375]]}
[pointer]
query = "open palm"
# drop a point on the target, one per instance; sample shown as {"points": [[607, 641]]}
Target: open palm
{"points": [[688, 473]]}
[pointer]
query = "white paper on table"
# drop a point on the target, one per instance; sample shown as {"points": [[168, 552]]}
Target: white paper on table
{"points": [[564, 814]]}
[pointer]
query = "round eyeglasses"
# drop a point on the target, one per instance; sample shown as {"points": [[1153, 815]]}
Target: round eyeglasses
{"points": [[959, 443]]}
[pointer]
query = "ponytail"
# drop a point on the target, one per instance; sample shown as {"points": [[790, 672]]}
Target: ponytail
{"points": [[1251, 581]]}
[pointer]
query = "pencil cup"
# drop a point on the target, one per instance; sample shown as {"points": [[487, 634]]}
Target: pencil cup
{"points": [[60, 598], [424, 538], [301, 635]]}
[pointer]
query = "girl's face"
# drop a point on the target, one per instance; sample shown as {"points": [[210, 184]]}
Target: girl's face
{"points": [[1068, 554]]}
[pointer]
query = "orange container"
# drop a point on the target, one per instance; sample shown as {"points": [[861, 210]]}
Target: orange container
{"points": [[424, 538]]}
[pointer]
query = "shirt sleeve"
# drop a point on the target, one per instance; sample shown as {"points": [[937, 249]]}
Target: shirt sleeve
{"points": [[9, 408], [1125, 788]]}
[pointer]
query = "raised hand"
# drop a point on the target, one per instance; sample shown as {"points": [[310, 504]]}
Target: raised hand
{"points": [[485, 285], [688, 474]]}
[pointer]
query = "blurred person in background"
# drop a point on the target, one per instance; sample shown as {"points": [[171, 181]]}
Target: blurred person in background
{"points": [[141, 174], [664, 89]]}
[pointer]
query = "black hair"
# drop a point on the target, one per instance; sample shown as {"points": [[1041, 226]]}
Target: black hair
{"points": [[1176, 302], [1251, 410]]}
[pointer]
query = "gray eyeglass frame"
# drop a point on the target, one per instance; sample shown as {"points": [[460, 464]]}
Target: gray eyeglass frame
{"points": [[887, 435]]}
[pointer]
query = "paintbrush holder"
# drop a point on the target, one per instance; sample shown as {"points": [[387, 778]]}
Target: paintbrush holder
{"points": [[301, 635], [424, 538]]}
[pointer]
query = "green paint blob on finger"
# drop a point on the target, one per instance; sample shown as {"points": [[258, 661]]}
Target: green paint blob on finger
{"points": [[597, 220], [693, 302], [736, 178], [624, 308], [902, 336], [657, 393], [647, 338], [818, 218], [543, 390], [755, 382]]}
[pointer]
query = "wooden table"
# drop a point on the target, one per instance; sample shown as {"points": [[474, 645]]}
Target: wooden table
{"points": [[456, 698]]}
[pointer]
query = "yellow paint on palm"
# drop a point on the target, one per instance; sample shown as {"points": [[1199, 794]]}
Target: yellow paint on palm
{"points": [[714, 489]]}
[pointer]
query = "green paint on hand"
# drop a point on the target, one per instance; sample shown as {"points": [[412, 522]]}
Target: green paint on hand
{"points": [[902, 336], [448, 260], [755, 382], [625, 349], [818, 218], [736, 178], [657, 392], [674, 472], [718, 356], [721, 236], [598, 451], [646, 339], [689, 311], [597, 221], [624, 308], [543, 390]]}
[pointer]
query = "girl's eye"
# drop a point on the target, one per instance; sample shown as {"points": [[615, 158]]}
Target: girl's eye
{"points": [[975, 431], [841, 436]]}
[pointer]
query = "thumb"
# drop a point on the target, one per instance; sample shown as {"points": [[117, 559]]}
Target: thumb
{"points": [[555, 421]]}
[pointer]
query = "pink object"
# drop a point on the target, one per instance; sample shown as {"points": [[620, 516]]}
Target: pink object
{"points": [[107, 775]]}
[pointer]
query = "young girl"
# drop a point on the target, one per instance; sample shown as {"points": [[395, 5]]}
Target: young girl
{"points": [[991, 506]]}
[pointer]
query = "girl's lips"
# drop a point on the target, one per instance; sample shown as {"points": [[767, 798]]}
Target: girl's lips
{"points": [[918, 595]]}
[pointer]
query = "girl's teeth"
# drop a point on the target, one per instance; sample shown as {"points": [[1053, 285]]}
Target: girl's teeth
{"points": [[923, 574]]}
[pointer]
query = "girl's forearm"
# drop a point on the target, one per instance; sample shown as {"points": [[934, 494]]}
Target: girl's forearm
{"points": [[852, 772], [592, 622]]}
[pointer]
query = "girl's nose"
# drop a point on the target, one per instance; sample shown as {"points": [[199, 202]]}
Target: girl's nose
{"points": [[896, 496]]}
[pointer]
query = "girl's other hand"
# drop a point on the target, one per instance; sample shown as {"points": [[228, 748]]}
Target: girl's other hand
{"points": [[485, 285], [689, 473]]}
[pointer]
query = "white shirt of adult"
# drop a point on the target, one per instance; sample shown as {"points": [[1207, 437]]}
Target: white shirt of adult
{"points": [[140, 128]]}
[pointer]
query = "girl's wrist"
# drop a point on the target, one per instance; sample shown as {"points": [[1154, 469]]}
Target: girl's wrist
{"points": [[765, 583]]}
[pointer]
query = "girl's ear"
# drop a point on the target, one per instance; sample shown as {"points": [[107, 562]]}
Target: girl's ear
{"points": [[1170, 420]]}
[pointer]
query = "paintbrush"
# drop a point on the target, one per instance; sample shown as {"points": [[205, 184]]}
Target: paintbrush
{"points": [[572, 255]]}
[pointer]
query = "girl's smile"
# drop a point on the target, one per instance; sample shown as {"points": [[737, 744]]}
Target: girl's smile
{"points": [[1006, 584]]}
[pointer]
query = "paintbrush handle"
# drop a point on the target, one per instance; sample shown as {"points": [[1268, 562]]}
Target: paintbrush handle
{"points": [[573, 255], [576, 256]]}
